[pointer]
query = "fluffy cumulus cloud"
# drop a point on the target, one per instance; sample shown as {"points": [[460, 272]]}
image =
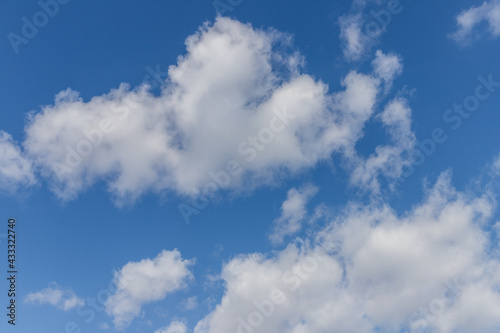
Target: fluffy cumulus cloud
{"points": [[293, 213], [373, 270], [146, 281], [174, 327], [236, 112], [470, 20], [61, 297], [15, 169]]}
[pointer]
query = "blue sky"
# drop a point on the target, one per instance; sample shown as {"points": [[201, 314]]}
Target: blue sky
{"points": [[127, 160]]}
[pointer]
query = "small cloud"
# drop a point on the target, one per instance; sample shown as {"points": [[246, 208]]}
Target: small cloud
{"points": [[146, 281], [354, 42], [387, 67], [391, 159], [103, 326], [190, 303], [62, 298], [293, 212], [218, 250], [174, 327], [469, 20]]}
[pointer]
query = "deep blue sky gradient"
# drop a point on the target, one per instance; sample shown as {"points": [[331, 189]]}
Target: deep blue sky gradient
{"points": [[93, 46]]}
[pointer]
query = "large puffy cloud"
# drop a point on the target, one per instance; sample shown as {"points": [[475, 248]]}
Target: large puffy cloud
{"points": [[373, 270], [469, 20], [15, 169], [63, 298], [235, 108], [146, 281]]}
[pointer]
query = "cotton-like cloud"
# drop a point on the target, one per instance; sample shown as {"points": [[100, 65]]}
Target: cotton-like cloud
{"points": [[174, 327], [15, 169], [469, 20], [146, 281], [236, 112], [354, 42], [61, 297], [372, 270], [387, 67], [293, 212]]}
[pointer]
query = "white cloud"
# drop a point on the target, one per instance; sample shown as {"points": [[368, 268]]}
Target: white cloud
{"points": [[383, 271], [146, 281], [103, 326], [469, 20], [190, 303], [174, 327], [496, 230], [388, 160], [354, 42], [361, 29], [281, 121], [293, 212], [61, 297], [15, 169], [218, 248], [496, 166], [387, 67]]}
